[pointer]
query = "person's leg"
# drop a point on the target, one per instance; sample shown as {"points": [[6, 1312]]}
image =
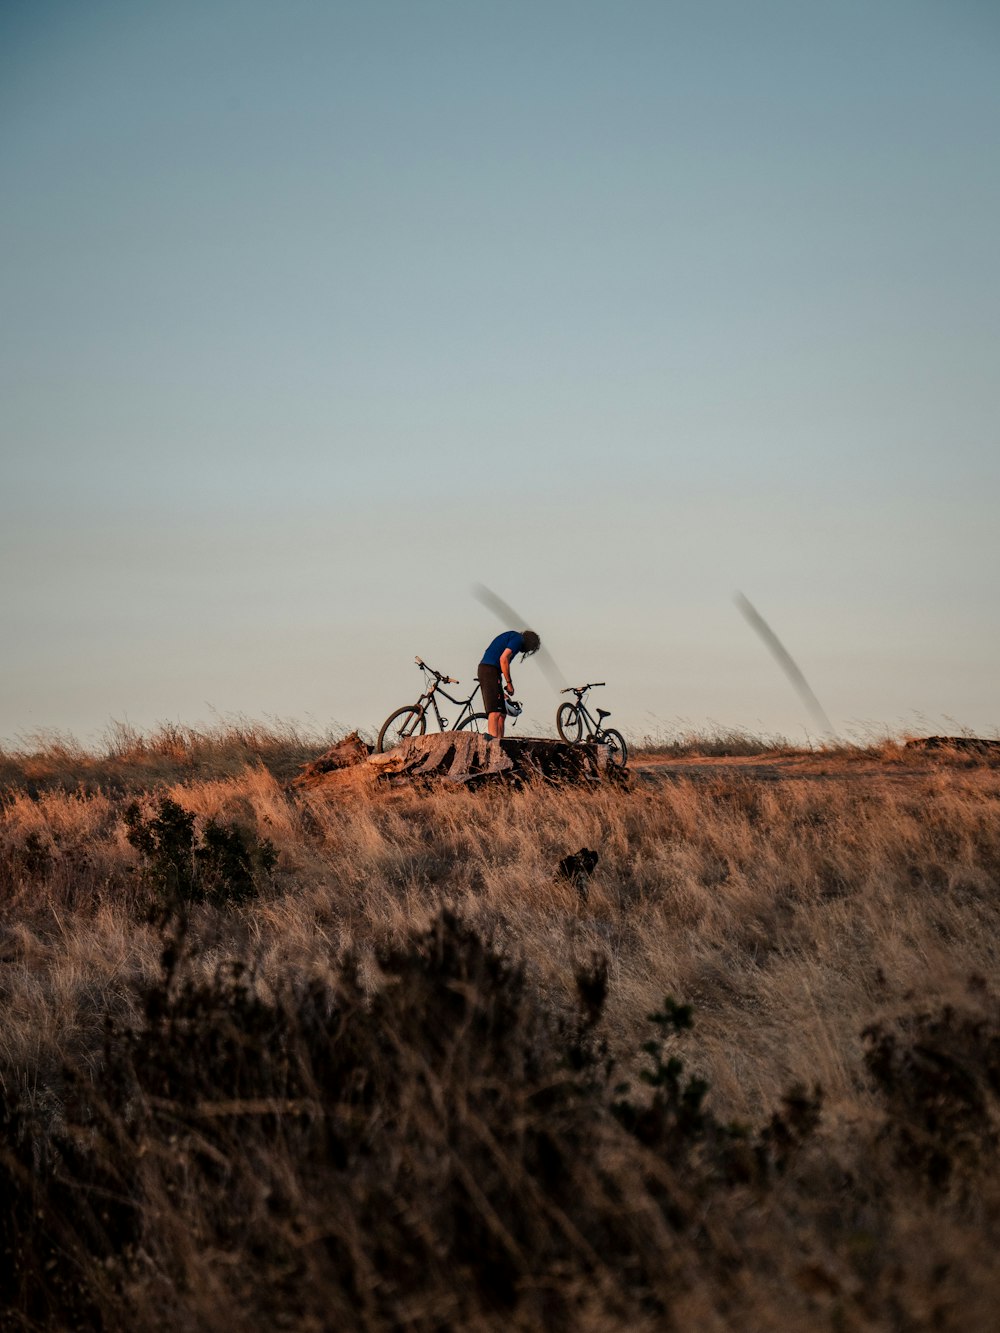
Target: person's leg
{"points": [[492, 688]]}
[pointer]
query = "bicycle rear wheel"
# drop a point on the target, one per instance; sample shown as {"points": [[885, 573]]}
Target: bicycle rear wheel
{"points": [[617, 749], [568, 722], [476, 722], [400, 726]]}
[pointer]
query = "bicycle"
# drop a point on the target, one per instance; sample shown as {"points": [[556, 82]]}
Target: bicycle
{"points": [[412, 720], [572, 718]]}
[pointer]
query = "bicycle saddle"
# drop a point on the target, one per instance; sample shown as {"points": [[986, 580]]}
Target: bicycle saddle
{"points": [[603, 712]]}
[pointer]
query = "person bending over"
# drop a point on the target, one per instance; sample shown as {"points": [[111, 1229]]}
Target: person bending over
{"points": [[494, 671]]}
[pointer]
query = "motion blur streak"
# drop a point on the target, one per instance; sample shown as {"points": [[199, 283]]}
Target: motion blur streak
{"points": [[785, 660], [514, 621]]}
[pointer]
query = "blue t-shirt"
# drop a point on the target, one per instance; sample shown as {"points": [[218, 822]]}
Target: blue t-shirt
{"points": [[500, 644]]}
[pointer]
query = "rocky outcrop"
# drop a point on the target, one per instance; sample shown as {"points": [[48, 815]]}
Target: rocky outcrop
{"points": [[347, 753], [466, 758]]}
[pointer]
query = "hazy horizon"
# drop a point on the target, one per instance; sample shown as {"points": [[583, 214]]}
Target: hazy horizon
{"points": [[316, 315]]}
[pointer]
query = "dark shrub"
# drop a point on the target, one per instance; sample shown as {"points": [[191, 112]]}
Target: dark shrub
{"points": [[226, 866]]}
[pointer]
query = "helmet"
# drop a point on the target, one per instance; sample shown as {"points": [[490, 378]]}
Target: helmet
{"points": [[513, 708]]}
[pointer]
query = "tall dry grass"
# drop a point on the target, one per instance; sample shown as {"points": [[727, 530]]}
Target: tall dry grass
{"points": [[128, 759], [795, 917]]}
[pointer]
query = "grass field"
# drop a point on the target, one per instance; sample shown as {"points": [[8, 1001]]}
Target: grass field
{"points": [[277, 1057]]}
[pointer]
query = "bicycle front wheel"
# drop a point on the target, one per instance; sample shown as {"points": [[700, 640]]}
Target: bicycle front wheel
{"points": [[476, 722], [400, 726], [617, 749], [568, 723]]}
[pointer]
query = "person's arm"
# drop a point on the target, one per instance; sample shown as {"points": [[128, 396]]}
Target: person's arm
{"points": [[505, 659]]}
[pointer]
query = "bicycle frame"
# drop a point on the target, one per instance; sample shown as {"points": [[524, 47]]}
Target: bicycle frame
{"points": [[594, 729], [429, 696]]}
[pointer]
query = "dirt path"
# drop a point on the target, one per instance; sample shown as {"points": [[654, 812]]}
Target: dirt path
{"points": [[807, 768]]}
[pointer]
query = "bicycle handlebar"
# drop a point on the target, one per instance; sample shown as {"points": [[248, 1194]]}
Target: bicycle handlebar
{"points": [[444, 680], [582, 689]]}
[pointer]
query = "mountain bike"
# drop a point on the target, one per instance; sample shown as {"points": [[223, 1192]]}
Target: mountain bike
{"points": [[412, 720], [571, 719]]}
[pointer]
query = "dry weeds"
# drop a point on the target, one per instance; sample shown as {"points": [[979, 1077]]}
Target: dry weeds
{"points": [[794, 915]]}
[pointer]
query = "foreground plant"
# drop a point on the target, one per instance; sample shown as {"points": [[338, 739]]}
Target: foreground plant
{"points": [[449, 1150]]}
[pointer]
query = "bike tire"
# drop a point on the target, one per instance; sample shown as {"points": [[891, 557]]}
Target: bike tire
{"points": [[400, 726], [476, 722], [568, 723], [617, 749]]}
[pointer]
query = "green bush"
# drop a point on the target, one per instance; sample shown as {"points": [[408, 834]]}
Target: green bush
{"points": [[227, 865]]}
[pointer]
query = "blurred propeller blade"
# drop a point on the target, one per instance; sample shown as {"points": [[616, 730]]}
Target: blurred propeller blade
{"points": [[784, 659], [513, 620]]}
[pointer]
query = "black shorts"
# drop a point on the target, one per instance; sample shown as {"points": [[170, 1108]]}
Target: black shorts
{"points": [[489, 682]]}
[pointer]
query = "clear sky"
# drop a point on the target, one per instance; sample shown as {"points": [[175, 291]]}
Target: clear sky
{"points": [[314, 314]]}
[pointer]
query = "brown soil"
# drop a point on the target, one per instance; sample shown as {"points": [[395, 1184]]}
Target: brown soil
{"points": [[915, 767]]}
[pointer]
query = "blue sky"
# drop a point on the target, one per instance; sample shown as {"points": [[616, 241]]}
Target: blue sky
{"points": [[313, 315]]}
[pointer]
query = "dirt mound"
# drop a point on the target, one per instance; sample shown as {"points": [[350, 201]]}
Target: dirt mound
{"points": [[964, 744]]}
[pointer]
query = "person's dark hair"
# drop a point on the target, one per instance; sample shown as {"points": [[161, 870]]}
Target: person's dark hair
{"points": [[531, 642]]}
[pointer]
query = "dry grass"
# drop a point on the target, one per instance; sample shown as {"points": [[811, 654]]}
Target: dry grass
{"points": [[130, 760], [718, 740], [792, 915]]}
